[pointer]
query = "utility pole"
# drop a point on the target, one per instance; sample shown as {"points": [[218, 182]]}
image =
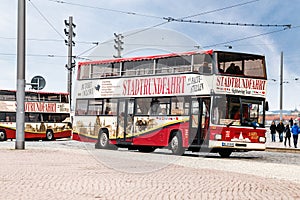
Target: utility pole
{"points": [[70, 43], [118, 45], [20, 112], [281, 84]]}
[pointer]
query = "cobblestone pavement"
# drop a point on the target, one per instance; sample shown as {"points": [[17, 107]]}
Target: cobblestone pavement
{"points": [[45, 170]]}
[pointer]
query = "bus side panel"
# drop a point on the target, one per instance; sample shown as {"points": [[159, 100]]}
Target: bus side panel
{"points": [[10, 133], [63, 134], [160, 137]]}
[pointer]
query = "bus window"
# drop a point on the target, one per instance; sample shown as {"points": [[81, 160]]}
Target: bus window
{"points": [[32, 117], [143, 106], [202, 63], [81, 107], [177, 106], [175, 64], [64, 98], [84, 71], [138, 67], [95, 107], [105, 70], [155, 108], [251, 112], [249, 65]]}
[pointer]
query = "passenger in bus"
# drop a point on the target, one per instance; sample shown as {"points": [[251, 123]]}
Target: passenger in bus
{"points": [[221, 70], [108, 111], [234, 69], [235, 113], [204, 68], [163, 111], [231, 69], [121, 119], [155, 108]]}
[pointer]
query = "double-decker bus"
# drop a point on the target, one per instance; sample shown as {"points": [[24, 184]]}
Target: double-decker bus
{"points": [[200, 100], [47, 115]]}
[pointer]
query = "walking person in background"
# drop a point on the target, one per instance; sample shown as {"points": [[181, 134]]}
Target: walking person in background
{"points": [[287, 132], [291, 122], [295, 132], [273, 131], [280, 128]]}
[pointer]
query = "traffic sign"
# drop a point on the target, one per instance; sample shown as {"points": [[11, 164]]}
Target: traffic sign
{"points": [[38, 82]]}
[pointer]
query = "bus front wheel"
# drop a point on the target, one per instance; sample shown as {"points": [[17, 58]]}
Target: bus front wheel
{"points": [[2, 135], [225, 153], [176, 144], [102, 142]]}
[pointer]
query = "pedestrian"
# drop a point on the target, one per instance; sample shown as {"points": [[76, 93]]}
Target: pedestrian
{"points": [[280, 128], [287, 132], [273, 131], [295, 132], [291, 122]]}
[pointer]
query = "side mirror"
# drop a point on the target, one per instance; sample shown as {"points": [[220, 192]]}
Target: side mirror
{"points": [[267, 106]]}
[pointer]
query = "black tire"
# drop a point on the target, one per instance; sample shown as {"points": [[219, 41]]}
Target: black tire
{"points": [[2, 135], [103, 141], [225, 153], [176, 144], [49, 135], [147, 149]]}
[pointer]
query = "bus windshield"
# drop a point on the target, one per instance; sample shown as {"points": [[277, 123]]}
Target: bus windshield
{"points": [[238, 111]]}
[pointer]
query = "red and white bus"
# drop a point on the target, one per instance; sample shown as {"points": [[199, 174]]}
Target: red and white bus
{"points": [[47, 115], [210, 100]]}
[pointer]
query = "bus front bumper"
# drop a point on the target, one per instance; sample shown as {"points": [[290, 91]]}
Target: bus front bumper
{"points": [[237, 146]]}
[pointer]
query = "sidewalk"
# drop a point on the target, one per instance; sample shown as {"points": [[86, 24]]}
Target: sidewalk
{"points": [[279, 146]]}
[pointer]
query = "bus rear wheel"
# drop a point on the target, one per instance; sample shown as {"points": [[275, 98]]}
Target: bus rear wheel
{"points": [[176, 144], [49, 135], [2, 135]]}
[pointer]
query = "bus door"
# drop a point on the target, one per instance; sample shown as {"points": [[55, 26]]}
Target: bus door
{"points": [[199, 123], [125, 120]]}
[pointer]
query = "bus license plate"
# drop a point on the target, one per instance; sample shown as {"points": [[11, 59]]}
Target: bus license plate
{"points": [[228, 144]]}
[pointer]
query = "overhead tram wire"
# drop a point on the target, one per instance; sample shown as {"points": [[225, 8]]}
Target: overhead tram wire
{"points": [[147, 15], [107, 9], [163, 23], [245, 38], [41, 14], [227, 23], [160, 24]]}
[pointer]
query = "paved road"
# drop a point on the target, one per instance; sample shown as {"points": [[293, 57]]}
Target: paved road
{"points": [[73, 170]]}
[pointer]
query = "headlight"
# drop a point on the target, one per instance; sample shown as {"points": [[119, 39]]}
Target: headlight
{"points": [[218, 136], [262, 139]]}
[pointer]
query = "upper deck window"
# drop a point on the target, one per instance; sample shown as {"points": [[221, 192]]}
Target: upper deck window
{"points": [[133, 68], [202, 63], [84, 71], [175, 64], [241, 64], [105, 70], [7, 95]]}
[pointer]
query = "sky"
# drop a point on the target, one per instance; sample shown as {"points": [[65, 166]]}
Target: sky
{"points": [[143, 26]]}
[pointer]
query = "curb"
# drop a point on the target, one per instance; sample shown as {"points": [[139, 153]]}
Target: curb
{"points": [[285, 150]]}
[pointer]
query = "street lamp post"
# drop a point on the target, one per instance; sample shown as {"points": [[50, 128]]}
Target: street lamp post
{"points": [[20, 136], [281, 84]]}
